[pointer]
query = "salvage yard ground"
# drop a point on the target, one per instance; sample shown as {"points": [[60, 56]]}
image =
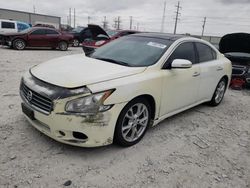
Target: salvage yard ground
{"points": [[202, 147]]}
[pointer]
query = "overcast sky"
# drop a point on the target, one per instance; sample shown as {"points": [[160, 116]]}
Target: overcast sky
{"points": [[223, 16]]}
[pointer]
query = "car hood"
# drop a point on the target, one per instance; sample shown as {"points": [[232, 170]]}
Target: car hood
{"points": [[97, 30], [236, 42], [78, 70]]}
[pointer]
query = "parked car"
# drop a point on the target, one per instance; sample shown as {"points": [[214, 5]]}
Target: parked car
{"points": [[236, 47], [10, 26], [38, 37], [124, 88], [82, 33], [89, 45], [44, 25]]}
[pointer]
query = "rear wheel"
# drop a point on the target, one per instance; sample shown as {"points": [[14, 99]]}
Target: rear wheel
{"points": [[76, 42], [133, 122], [19, 44], [63, 46], [219, 93]]}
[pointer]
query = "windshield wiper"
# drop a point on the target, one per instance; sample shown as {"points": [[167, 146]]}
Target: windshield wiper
{"points": [[113, 61]]}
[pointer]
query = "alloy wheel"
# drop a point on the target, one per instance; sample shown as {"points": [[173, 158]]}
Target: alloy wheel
{"points": [[19, 45], [220, 91], [75, 43], [135, 122]]}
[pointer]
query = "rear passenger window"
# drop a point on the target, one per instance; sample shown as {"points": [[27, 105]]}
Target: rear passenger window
{"points": [[184, 51], [51, 32], [8, 25], [205, 53], [39, 32]]}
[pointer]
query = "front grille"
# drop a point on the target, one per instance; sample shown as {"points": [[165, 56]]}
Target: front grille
{"points": [[37, 100], [238, 70]]}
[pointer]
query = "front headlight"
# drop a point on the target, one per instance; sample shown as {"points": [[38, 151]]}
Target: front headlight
{"points": [[89, 104]]}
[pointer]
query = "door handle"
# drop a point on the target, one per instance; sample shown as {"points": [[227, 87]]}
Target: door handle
{"points": [[196, 74], [219, 68]]}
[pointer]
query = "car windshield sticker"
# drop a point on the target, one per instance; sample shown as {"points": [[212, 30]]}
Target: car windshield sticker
{"points": [[157, 45]]}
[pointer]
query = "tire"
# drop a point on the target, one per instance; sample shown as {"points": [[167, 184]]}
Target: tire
{"points": [[75, 43], [19, 44], [131, 128], [219, 93], [63, 46]]}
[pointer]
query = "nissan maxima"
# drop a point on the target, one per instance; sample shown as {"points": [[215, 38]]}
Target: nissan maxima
{"points": [[123, 88]]}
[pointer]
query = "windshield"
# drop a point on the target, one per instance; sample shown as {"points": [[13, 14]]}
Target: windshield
{"points": [[78, 29], [26, 30], [133, 51], [111, 33]]}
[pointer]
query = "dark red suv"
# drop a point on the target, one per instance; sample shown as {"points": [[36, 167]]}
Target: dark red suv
{"points": [[38, 37]]}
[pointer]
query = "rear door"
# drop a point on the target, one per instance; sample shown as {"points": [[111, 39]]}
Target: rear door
{"points": [[37, 38], [52, 37], [211, 70]]}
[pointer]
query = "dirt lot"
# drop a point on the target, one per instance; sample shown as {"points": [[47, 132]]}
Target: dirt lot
{"points": [[202, 147]]}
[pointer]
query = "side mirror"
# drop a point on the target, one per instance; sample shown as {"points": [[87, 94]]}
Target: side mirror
{"points": [[181, 64]]}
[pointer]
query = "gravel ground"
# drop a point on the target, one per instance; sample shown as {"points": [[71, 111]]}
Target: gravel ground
{"points": [[202, 147]]}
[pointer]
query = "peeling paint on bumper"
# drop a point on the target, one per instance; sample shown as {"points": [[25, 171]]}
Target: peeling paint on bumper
{"points": [[99, 129]]}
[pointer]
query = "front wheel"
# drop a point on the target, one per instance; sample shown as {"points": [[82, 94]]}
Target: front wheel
{"points": [[19, 44], [63, 46], [133, 122], [219, 93], [76, 43]]}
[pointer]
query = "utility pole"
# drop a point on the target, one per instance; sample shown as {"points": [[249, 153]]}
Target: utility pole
{"points": [[177, 16], [115, 23], [74, 18], [118, 22], [131, 22], [70, 17], [34, 9], [163, 17], [105, 23], [89, 19], [203, 26], [137, 26]]}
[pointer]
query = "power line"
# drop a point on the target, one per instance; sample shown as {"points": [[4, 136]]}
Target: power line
{"points": [[163, 17], [203, 26], [177, 16]]}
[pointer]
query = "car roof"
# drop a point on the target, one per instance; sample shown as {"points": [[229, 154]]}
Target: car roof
{"points": [[35, 28], [164, 36], [5, 20]]}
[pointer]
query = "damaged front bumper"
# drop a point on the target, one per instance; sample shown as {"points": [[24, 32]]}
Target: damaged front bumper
{"points": [[44, 107], [85, 131]]}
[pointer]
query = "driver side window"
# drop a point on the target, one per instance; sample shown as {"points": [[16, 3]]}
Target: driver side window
{"points": [[183, 51]]}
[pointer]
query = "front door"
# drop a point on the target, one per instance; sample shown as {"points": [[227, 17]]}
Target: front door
{"points": [[37, 38], [180, 86]]}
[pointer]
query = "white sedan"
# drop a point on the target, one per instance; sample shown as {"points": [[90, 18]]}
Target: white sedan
{"points": [[123, 88]]}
